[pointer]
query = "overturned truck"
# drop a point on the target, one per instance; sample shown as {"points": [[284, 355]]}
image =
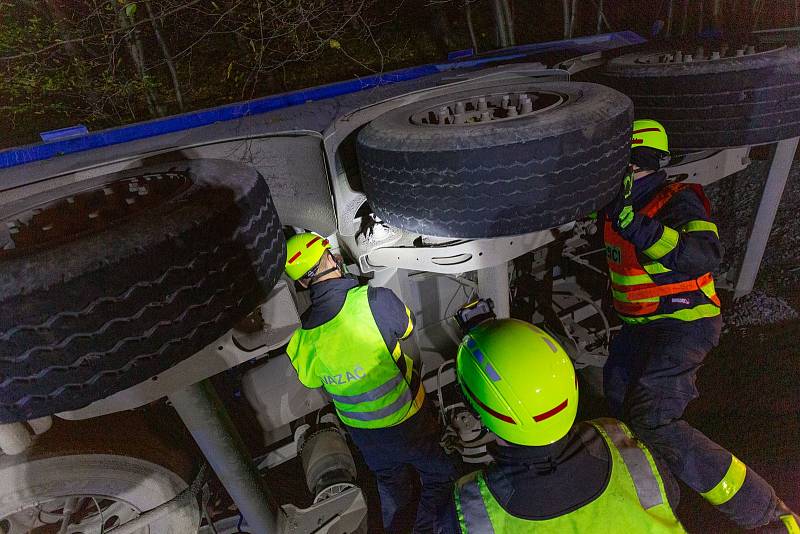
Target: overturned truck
{"points": [[141, 268]]}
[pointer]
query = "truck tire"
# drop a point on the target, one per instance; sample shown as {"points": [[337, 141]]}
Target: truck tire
{"points": [[106, 282], [426, 171], [116, 465], [713, 103]]}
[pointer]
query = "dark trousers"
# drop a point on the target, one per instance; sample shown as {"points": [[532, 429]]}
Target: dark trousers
{"points": [[649, 380], [391, 453]]}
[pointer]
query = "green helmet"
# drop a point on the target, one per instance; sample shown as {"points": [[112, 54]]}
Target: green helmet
{"points": [[303, 252], [649, 133], [519, 380]]}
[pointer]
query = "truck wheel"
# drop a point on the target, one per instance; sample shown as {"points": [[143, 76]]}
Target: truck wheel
{"points": [[716, 98], [107, 471], [496, 161], [106, 282]]}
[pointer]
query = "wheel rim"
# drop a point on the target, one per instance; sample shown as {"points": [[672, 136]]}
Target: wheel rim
{"points": [[488, 108], [90, 514], [89, 211], [698, 55]]}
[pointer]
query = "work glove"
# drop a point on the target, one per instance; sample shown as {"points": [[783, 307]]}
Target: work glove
{"points": [[639, 230], [624, 219], [620, 210]]}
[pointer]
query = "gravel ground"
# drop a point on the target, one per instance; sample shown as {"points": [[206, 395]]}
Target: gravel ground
{"points": [[734, 201], [758, 309]]}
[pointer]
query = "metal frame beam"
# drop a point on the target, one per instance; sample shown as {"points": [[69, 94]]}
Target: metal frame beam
{"points": [[765, 216], [460, 257], [202, 412], [493, 284]]}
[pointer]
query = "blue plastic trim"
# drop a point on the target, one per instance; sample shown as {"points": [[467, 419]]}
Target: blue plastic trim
{"points": [[25, 154], [458, 54], [64, 133]]}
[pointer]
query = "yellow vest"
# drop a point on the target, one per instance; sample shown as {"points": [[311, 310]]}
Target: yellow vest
{"points": [[370, 387], [634, 500]]}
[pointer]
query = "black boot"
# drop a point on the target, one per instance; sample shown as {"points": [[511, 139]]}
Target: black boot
{"points": [[785, 521]]}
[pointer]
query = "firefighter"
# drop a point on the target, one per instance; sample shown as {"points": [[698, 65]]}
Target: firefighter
{"points": [[549, 474], [349, 344], [661, 247]]}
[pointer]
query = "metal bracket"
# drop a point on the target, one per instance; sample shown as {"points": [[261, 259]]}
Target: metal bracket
{"points": [[707, 167], [458, 257], [580, 63], [345, 512]]}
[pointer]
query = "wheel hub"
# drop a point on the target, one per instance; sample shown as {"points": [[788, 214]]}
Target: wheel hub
{"points": [[89, 211], [488, 108], [699, 54], [76, 514]]}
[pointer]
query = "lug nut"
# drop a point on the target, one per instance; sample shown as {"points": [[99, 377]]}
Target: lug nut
{"points": [[714, 55], [678, 57], [130, 201], [687, 58], [512, 111], [740, 52], [482, 103], [723, 50], [506, 99], [699, 52], [459, 108], [94, 215], [750, 49], [485, 116], [458, 118], [108, 191], [48, 227]]}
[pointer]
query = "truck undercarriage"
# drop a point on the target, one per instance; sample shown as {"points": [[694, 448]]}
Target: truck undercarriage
{"points": [[329, 166]]}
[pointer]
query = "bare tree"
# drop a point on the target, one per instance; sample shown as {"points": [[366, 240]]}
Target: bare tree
{"points": [[572, 14], [700, 16], [509, 19], [669, 19], [600, 16], [106, 62], [716, 18], [685, 18], [503, 25], [136, 52], [470, 25], [166, 55]]}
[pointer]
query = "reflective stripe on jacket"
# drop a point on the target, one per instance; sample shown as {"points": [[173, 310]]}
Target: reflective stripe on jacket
{"points": [[633, 501], [370, 387], [638, 296]]}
